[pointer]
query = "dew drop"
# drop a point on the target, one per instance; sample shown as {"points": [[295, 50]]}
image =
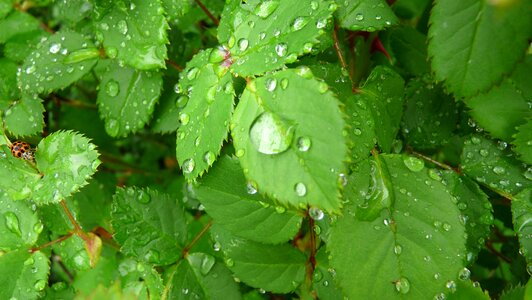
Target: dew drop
{"points": [[451, 285], [359, 17], [112, 88], [269, 134], [40, 285], [280, 49], [184, 118], [303, 144], [122, 27], [413, 164], [464, 274], [192, 73], [12, 223], [499, 170], [209, 157], [304, 72], [402, 285], [321, 23], [243, 44], [299, 23], [188, 166], [315, 213], [397, 249], [280, 209], [251, 187], [300, 189], [284, 83], [54, 48], [271, 84], [322, 87], [266, 8], [206, 264]]}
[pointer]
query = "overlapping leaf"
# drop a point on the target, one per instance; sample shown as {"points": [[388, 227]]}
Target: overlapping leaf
{"points": [[134, 32], [265, 35], [16, 23], [205, 117], [19, 225], [383, 93], [410, 48], [140, 278], [462, 31], [24, 275], [17, 177], [501, 117], [364, 15], [73, 253], [493, 165], [275, 268], [148, 225], [25, 117], [57, 62], [127, 98], [522, 219], [166, 113], [287, 131], [8, 86], [66, 161], [413, 249], [236, 206], [523, 142]]}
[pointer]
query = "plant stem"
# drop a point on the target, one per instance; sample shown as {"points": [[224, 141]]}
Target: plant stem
{"points": [[59, 240], [174, 65], [497, 253], [196, 239], [437, 163], [209, 14], [337, 48]]}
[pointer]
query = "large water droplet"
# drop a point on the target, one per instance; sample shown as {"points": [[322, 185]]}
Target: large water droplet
{"points": [[299, 23], [464, 274], [54, 48], [112, 88], [206, 264], [402, 285], [184, 118], [316, 213], [209, 157], [300, 189], [269, 134], [251, 187], [243, 44], [188, 166], [122, 27], [40, 285], [499, 170], [192, 73], [266, 8], [359, 17], [12, 223], [303, 144], [280, 49], [271, 84], [451, 285], [397, 249], [413, 164]]}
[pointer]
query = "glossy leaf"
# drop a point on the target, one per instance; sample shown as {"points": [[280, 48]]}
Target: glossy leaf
{"points": [[266, 35], [466, 290], [57, 62], [9, 90], [522, 219], [236, 206], [500, 118], [166, 113], [25, 117], [15, 23], [73, 253], [19, 225], [66, 160], [383, 93], [430, 115], [493, 165], [293, 150], [275, 268], [362, 131], [21, 45], [410, 49], [135, 33], [323, 279], [364, 15], [17, 177], [127, 98], [205, 117], [460, 33], [24, 275], [148, 225], [417, 246], [523, 142], [141, 279], [176, 8]]}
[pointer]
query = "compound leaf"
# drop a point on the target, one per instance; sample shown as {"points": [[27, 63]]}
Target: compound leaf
{"points": [[364, 15], [25, 116], [287, 131], [148, 225], [523, 142], [127, 98], [522, 219], [17, 177], [460, 33], [266, 35], [24, 275], [413, 249], [493, 165], [66, 161], [501, 118], [239, 209], [58, 61], [19, 225], [205, 117], [275, 268], [135, 33]]}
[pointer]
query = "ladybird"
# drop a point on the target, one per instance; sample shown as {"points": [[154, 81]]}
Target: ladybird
{"points": [[21, 150]]}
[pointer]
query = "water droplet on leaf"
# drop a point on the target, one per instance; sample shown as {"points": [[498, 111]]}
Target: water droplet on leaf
{"points": [[112, 88], [316, 213], [269, 134], [188, 166], [300, 189], [413, 164], [303, 144], [402, 285]]}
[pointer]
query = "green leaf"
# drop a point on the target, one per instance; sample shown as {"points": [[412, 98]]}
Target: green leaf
{"points": [[383, 93], [462, 31], [113, 292], [205, 117], [166, 113], [323, 278], [522, 219], [5, 8], [57, 62], [466, 290], [19, 225], [408, 9], [362, 132], [9, 90], [266, 35], [73, 11], [493, 165], [410, 49], [201, 277], [236, 206], [66, 160], [127, 98], [523, 142], [501, 118], [73, 253], [275, 268], [148, 225], [135, 32], [514, 293], [364, 15], [430, 115], [293, 150], [17, 22], [22, 45], [175, 8], [24, 275], [140, 279], [414, 250], [476, 212], [17, 177], [25, 117]]}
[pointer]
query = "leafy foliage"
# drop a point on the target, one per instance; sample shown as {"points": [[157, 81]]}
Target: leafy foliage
{"points": [[258, 149]]}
